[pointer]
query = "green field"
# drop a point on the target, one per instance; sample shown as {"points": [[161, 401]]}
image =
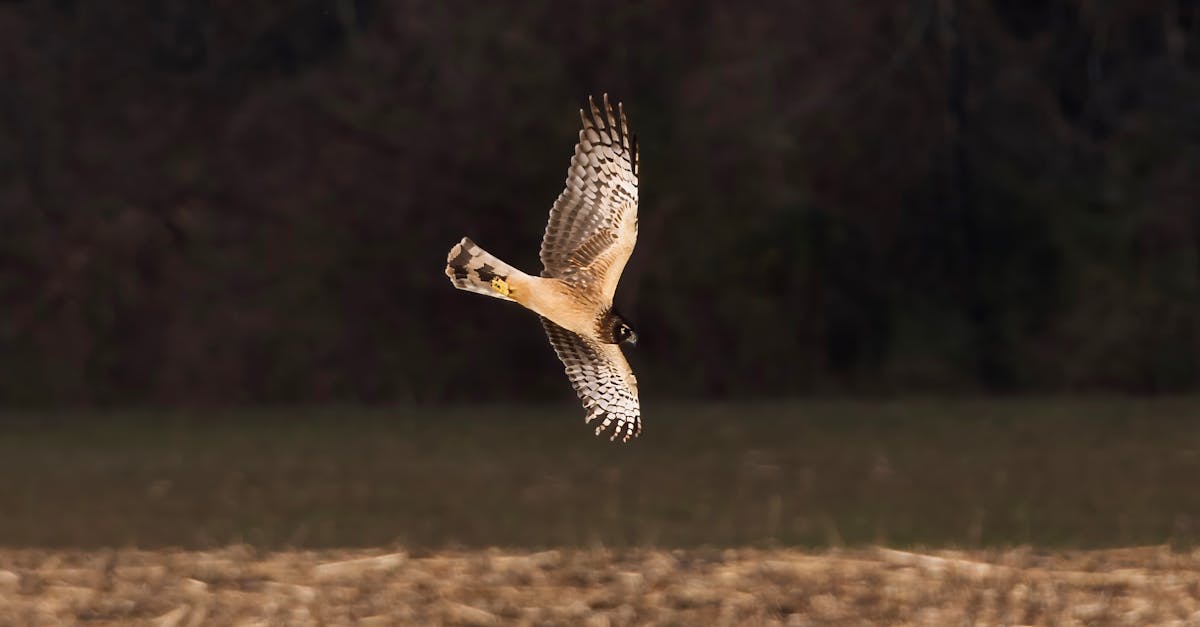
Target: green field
{"points": [[969, 473]]}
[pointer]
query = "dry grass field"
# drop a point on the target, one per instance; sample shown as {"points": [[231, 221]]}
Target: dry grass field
{"points": [[1145, 586]]}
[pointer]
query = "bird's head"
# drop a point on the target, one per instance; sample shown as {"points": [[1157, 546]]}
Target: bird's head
{"points": [[624, 333], [620, 330]]}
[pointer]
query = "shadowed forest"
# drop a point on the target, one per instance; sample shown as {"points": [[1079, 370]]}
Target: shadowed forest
{"points": [[227, 202]]}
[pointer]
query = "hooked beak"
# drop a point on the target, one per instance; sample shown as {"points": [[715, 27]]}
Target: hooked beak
{"points": [[632, 339]]}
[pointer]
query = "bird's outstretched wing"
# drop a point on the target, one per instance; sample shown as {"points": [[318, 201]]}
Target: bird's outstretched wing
{"points": [[593, 223], [602, 379]]}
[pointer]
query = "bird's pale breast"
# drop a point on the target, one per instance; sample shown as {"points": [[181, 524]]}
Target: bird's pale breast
{"points": [[559, 301]]}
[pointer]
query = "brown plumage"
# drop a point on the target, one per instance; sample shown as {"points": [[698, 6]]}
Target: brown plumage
{"points": [[589, 238]]}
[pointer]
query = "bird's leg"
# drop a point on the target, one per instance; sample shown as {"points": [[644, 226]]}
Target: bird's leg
{"points": [[501, 286]]}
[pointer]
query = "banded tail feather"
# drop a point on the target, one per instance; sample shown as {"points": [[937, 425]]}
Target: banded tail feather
{"points": [[474, 269]]}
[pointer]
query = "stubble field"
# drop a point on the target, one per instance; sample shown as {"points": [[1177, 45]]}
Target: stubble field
{"points": [[1152, 585]]}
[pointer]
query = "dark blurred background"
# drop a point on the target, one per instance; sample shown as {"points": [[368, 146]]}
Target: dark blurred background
{"points": [[229, 202]]}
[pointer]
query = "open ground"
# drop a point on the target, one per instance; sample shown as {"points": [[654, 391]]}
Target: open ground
{"points": [[1152, 585], [990, 511]]}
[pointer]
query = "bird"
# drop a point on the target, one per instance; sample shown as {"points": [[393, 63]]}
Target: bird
{"points": [[589, 237]]}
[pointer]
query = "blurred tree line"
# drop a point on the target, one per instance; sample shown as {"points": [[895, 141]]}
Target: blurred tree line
{"points": [[252, 202]]}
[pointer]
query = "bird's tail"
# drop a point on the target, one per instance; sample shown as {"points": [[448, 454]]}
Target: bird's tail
{"points": [[474, 269]]}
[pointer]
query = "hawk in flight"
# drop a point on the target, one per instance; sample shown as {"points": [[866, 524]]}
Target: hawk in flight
{"points": [[590, 235]]}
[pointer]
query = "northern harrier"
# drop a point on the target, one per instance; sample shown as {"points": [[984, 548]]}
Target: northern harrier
{"points": [[590, 235]]}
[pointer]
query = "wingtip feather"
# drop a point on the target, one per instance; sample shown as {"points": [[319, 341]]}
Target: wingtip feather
{"points": [[608, 112], [596, 118]]}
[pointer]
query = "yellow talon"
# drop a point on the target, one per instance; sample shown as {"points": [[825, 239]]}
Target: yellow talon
{"points": [[500, 285]]}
